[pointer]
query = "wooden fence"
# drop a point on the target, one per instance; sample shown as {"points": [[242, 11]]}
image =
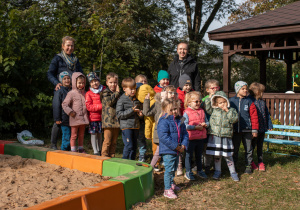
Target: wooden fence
{"points": [[282, 106]]}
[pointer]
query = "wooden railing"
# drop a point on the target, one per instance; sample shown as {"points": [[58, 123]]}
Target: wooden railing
{"points": [[282, 106]]}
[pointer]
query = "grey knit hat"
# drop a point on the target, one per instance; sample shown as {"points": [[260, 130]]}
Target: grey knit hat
{"points": [[62, 75], [184, 79], [238, 85]]}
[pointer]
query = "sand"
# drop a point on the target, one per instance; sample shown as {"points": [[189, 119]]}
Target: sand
{"points": [[27, 182]]}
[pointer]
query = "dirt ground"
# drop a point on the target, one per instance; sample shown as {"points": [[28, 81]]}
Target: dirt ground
{"points": [[27, 182]]}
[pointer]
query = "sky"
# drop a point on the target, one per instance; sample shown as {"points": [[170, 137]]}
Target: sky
{"points": [[216, 24]]}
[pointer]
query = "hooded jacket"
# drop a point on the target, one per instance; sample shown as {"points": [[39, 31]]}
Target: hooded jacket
{"points": [[247, 113], [221, 122], [58, 112], [57, 66], [189, 67], [154, 110], [109, 102], [141, 93], [75, 101], [171, 133]]}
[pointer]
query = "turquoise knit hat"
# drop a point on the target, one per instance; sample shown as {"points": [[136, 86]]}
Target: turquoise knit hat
{"points": [[162, 74]]}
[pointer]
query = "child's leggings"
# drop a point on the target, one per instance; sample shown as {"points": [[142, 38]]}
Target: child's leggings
{"points": [[171, 162], [96, 140], [77, 131], [229, 161], [259, 141], [156, 157]]}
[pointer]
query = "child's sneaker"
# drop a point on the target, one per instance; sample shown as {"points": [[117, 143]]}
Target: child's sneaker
{"points": [[248, 170], [81, 151], [174, 187], [157, 169], [202, 175], [97, 153], [235, 177], [189, 176], [53, 146], [261, 166], [254, 167], [217, 175], [179, 172], [170, 194]]}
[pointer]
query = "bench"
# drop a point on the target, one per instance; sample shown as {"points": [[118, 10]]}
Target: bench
{"points": [[283, 133]]}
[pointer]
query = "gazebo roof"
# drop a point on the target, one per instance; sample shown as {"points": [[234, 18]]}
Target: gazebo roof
{"points": [[287, 17]]}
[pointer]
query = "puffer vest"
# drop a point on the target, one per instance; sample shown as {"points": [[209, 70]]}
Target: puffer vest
{"points": [[195, 118]]}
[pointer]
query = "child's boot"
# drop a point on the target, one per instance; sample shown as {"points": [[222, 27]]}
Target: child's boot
{"points": [[261, 166], [254, 167]]}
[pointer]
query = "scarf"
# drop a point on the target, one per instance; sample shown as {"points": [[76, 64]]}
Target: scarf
{"points": [[99, 90], [70, 60]]}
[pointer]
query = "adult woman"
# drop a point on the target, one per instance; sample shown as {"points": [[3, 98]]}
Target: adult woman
{"points": [[64, 61]]}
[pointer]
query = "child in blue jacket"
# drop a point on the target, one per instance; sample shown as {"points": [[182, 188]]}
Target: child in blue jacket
{"points": [[173, 139]]}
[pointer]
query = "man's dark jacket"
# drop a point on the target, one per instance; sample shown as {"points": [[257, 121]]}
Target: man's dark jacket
{"points": [[189, 67]]}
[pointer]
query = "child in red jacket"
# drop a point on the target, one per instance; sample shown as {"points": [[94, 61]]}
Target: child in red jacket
{"points": [[163, 81], [185, 86], [94, 106]]}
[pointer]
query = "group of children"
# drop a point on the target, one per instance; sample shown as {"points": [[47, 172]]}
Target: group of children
{"points": [[177, 121]]}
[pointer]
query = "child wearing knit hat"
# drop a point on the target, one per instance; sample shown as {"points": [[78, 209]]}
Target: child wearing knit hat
{"points": [[247, 126], [60, 117], [163, 79], [185, 86], [94, 106]]}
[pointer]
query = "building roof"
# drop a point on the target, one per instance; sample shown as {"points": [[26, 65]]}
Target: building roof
{"points": [[284, 16]]}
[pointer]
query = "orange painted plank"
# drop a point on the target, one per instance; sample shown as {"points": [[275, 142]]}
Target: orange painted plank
{"points": [[104, 195], [74, 160]]}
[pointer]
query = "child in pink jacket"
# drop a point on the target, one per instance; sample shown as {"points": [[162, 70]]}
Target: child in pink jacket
{"points": [[74, 106]]}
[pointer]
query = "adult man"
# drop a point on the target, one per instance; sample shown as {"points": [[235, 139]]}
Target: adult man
{"points": [[183, 63]]}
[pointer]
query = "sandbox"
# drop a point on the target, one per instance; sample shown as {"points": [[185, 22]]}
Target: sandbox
{"points": [[130, 183], [27, 182]]}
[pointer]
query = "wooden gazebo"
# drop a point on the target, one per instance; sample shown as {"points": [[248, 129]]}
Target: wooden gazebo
{"points": [[275, 35]]}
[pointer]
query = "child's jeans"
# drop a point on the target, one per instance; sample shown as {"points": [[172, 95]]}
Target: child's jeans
{"points": [[142, 141], [171, 162], [259, 141], [246, 138], [110, 141], [66, 134], [197, 146], [130, 137], [77, 131]]}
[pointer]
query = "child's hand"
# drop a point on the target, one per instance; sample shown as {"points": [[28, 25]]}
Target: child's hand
{"points": [[270, 129], [178, 148], [181, 149], [254, 135], [140, 113], [58, 122], [118, 88], [203, 124], [147, 96], [72, 114], [225, 108], [199, 127]]}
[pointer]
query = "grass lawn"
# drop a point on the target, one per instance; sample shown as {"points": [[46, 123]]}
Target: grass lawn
{"points": [[277, 188]]}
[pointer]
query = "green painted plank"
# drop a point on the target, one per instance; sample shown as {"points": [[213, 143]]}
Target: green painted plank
{"points": [[26, 151], [138, 181]]}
